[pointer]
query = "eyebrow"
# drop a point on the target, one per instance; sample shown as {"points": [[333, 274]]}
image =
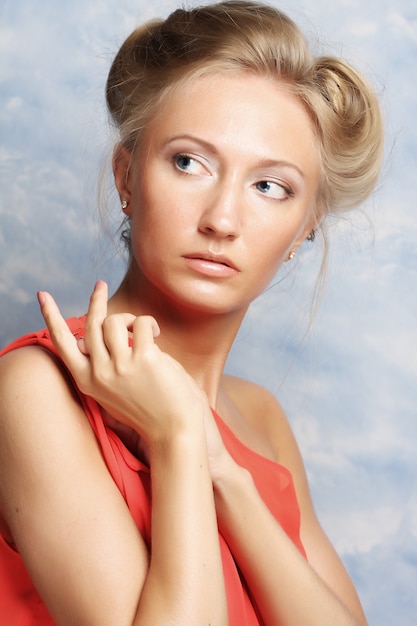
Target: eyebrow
{"points": [[206, 144], [270, 163], [263, 162]]}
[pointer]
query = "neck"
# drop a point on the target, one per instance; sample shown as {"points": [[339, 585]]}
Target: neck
{"points": [[199, 340]]}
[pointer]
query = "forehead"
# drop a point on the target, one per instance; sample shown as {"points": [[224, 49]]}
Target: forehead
{"points": [[248, 113]]}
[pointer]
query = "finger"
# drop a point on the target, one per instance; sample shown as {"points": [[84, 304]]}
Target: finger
{"points": [[145, 328], [81, 345], [62, 338], [96, 314], [116, 335]]}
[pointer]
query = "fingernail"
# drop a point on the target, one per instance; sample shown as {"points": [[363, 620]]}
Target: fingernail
{"points": [[99, 284], [41, 298], [82, 346]]}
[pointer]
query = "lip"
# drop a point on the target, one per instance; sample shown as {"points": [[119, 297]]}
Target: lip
{"points": [[211, 264]]}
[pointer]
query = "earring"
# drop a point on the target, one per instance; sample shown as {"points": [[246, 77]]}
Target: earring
{"points": [[311, 237], [124, 204], [291, 255]]}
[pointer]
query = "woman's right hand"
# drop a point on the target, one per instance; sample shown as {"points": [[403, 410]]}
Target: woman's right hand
{"points": [[119, 365]]}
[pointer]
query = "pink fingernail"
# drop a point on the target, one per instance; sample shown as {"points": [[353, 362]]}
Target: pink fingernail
{"points": [[41, 298], [98, 284]]}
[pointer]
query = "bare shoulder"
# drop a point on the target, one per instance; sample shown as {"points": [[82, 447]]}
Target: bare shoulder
{"points": [[247, 393], [41, 417], [32, 387], [260, 406], [262, 409], [34, 382], [43, 429], [58, 501], [32, 359]]}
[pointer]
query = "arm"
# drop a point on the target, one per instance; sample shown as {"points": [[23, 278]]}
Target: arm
{"points": [[68, 519], [287, 589]]}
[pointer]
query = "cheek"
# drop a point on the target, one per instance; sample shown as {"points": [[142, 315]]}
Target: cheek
{"points": [[152, 233], [274, 238], [156, 206]]}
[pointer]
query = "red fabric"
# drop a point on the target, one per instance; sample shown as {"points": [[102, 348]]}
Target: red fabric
{"points": [[20, 604]]}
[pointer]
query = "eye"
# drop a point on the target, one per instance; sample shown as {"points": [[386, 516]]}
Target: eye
{"points": [[273, 190], [187, 164]]}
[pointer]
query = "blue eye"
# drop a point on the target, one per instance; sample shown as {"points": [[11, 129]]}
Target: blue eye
{"points": [[273, 190], [183, 162], [188, 165]]}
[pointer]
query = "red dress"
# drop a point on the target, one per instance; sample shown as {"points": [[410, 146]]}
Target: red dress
{"points": [[20, 605]]}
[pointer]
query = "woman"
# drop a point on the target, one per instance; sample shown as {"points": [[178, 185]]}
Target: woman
{"points": [[139, 483]]}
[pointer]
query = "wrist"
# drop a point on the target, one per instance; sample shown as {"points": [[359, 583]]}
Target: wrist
{"points": [[228, 476], [186, 444], [179, 428]]}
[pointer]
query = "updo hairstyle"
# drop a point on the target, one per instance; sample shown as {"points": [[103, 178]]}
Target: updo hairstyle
{"points": [[239, 36]]}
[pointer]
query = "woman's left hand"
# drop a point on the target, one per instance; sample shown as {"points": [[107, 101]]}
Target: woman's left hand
{"points": [[135, 382]]}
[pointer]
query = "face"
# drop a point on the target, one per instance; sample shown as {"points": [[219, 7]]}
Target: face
{"points": [[221, 191]]}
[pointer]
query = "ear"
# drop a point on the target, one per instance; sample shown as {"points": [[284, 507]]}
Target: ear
{"points": [[307, 231], [121, 171]]}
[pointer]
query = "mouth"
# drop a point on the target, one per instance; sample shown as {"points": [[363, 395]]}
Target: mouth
{"points": [[209, 257], [214, 265]]}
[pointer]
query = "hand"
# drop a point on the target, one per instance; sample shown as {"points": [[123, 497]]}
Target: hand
{"points": [[134, 381]]}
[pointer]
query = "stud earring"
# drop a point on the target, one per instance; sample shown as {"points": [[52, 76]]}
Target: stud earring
{"points": [[124, 204], [291, 255]]}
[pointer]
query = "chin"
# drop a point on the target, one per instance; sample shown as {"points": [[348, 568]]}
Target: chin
{"points": [[207, 304]]}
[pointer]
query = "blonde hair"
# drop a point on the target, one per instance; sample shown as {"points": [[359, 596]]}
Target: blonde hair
{"points": [[238, 36]]}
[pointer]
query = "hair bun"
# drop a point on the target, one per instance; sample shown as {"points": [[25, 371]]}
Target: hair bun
{"points": [[351, 132]]}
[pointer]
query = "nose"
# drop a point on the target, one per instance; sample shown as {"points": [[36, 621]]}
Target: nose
{"points": [[222, 214]]}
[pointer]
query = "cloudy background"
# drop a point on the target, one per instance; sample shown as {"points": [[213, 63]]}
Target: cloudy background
{"points": [[350, 385]]}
